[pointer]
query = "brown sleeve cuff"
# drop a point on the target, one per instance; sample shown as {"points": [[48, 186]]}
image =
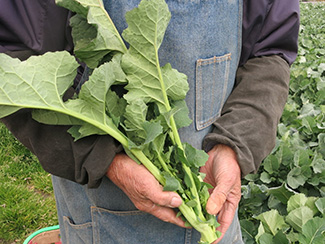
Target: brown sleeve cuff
{"points": [[249, 119]]}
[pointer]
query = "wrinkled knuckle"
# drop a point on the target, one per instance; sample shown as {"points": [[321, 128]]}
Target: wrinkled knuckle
{"points": [[141, 191], [162, 217], [140, 206], [223, 195], [148, 208], [143, 188], [161, 201], [165, 220]]}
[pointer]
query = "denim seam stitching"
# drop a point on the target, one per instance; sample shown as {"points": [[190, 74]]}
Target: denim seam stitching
{"points": [[119, 213], [226, 78], [214, 59], [95, 228], [188, 236], [198, 109]]}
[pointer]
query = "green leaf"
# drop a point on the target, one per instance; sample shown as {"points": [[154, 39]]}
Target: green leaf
{"points": [[195, 158], [271, 164], [172, 184], [248, 231], [120, 77], [147, 80], [280, 238], [293, 236], [114, 104], [191, 203], [158, 147], [308, 109], [187, 180], [311, 204], [298, 217], [265, 238], [176, 83], [318, 165], [252, 177], [93, 31], [284, 155], [272, 221], [181, 114], [301, 157], [296, 201], [44, 116], [321, 141], [135, 117], [56, 70], [313, 232], [295, 178], [153, 130], [91, 103], [260, 232], [7, 110], [282, 193], [87, 130], [274, 203], [265, 177], [320, 204]]}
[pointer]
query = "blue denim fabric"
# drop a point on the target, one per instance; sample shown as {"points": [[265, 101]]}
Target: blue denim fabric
{"points": [[106, 216], [203, 41]]}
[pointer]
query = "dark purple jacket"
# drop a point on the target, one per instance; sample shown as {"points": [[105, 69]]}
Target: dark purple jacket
{"points": [[270, 33]]}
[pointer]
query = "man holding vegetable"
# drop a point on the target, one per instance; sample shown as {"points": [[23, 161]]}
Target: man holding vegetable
{"points": [[236, 56]]}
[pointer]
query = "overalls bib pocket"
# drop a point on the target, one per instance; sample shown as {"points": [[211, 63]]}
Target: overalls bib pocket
{"points": [[212, 76]]}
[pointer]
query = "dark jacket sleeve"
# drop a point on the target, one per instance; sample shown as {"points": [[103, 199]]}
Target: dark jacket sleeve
{"points": [[84, 161], [249, 118], [270, 27], [33, 29]]}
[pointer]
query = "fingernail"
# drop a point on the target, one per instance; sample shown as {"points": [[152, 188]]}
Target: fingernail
{"points": [[212, 208], [175, 202]]}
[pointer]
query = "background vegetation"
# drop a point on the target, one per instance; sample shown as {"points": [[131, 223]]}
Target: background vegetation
{"points": [[26, 195], [284, 203]]}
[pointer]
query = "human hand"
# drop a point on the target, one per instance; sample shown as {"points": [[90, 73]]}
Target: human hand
{"points": [[223, 173], [144, 190]]}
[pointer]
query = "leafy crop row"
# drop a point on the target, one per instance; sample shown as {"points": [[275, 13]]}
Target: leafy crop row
{"points": [[285, 201]]}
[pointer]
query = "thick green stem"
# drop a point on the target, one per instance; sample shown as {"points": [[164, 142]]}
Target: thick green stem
{"points": [[109, 129], [163, 164], [175, 137], [149, 165], [208, 233], [112, 131]]}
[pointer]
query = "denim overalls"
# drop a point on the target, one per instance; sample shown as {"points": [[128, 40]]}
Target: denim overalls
{"points": [[203, 41]]}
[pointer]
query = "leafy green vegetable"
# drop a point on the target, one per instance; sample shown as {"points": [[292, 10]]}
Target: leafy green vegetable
{"points": [[94, 34], [293, 176], [298, 217], [272, 221], [144, 118], [313, 232]]}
